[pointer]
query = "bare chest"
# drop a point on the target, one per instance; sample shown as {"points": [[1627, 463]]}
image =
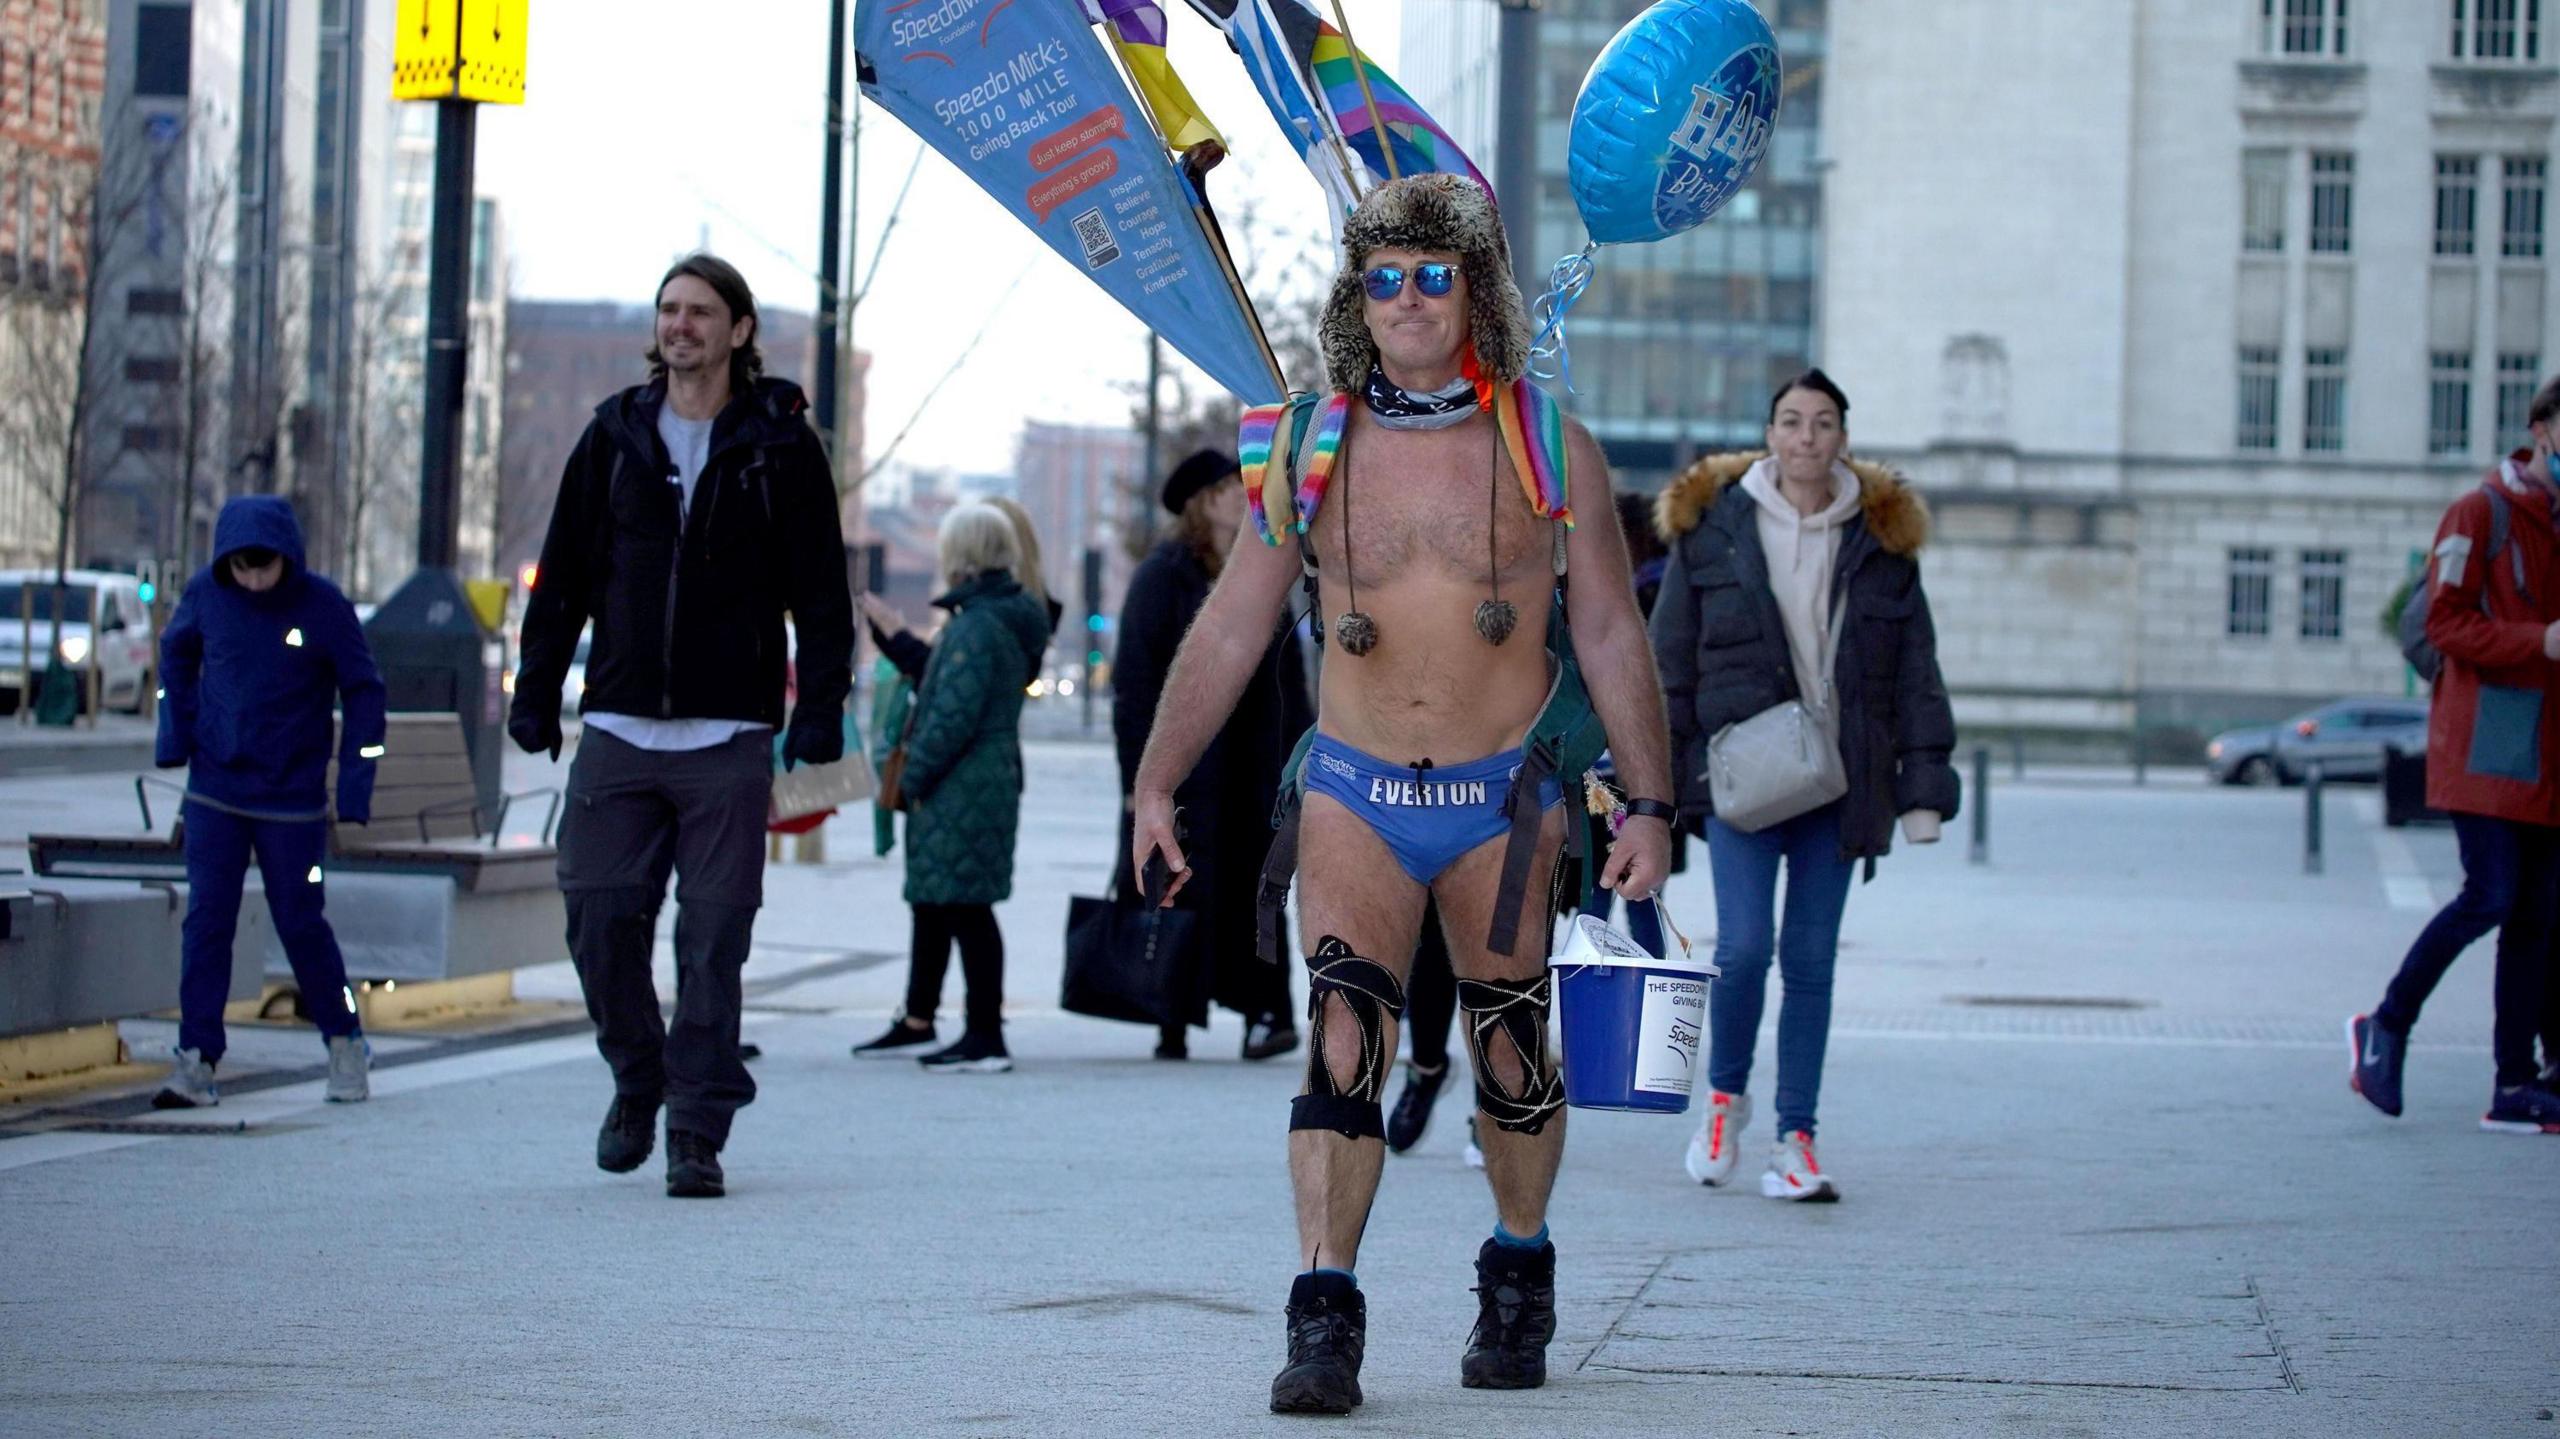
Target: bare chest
{"points": [[1441, 506]]}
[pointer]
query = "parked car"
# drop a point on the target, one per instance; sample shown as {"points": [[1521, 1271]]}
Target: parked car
{"points": [[2346, 738], [104, 622]]}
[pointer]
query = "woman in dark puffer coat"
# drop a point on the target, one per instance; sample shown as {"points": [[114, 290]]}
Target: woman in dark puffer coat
{"points": [[1766, 549]]}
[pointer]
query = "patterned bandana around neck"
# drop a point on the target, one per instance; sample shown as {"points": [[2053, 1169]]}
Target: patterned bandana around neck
{"points": [[1398, 408]]}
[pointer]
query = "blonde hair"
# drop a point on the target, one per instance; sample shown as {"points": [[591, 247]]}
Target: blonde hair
{"points": [[974, 539], [1026, 560]]}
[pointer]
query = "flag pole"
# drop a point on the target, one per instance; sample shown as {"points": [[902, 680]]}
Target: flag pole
{"points": [[1204, 217], [1377, 121]]}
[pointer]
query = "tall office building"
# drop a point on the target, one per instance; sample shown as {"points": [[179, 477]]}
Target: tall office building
{"points": [[157, 453], [1676, 345], [2190, 316]]}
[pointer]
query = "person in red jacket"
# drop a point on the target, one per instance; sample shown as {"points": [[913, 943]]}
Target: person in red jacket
{"points": [[2493, 764]]}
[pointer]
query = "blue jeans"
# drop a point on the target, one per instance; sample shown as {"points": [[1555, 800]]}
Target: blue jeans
{"points": [[2510, 883], [1745, 867], [290, 855]]}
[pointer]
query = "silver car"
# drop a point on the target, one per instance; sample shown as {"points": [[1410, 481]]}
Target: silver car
{"points": [[2347, 738]]}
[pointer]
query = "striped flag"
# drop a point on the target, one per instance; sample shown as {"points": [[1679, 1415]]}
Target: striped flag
{"points": [[1136, 29], [1310, 77]]}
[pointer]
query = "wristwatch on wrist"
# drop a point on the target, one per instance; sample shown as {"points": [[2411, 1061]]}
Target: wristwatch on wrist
{"points": [[1653, 809]]}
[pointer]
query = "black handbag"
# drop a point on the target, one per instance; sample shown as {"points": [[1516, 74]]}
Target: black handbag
{"points": [[1128, 959]]}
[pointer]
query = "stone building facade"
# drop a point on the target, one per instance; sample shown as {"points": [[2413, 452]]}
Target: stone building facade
{"points": [[2189, 316]]}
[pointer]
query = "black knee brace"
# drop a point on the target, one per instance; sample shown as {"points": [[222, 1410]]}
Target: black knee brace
{"points": [[1372, 995], [1517, 1010]]}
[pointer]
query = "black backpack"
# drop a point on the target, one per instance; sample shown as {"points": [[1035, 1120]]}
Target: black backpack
{"points": [[2422, 656]]}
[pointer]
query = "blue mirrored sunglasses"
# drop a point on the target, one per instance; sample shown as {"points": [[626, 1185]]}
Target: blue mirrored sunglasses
{"points": [[1387, 281]]}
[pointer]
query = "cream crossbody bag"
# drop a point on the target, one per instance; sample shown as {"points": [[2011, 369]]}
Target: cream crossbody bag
{"points": [[1785, 760]]}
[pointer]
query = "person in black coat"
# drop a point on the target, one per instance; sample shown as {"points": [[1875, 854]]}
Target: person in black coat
{"points": [[1777, 561], [1227, 800]]}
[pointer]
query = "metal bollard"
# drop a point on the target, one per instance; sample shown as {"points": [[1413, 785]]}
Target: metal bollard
{"points": [[2312, 861], [1982, 804], [2141, 760], [2017, 756]]}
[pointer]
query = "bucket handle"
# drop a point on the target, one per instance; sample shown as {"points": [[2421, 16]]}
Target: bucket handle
{"points": [[1687, 950]]}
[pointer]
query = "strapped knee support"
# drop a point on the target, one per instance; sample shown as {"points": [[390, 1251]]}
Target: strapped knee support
{"points": [[1371, 994], [1517, 1010]]}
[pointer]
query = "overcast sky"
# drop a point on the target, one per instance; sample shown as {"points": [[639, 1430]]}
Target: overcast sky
{"points": [[650, 126]]}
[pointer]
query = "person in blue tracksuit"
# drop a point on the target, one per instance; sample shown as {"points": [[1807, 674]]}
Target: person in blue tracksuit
{"points": [[260, 651]]}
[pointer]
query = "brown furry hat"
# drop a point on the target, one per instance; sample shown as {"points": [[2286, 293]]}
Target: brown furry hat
{"points": [[1428, 212]]}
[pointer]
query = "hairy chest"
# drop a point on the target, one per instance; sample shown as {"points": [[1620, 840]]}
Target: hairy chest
{"points": [[1441, 506]]}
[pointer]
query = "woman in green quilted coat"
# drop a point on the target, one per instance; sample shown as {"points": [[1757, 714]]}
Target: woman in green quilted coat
{"points": [[963, 778]]}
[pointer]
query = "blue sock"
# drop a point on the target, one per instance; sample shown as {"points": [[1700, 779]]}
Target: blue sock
{"points": [[1509, 1240], [1347, 1276]]}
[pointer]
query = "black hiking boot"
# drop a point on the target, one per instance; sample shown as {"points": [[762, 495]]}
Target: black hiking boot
{"points": [[1515, 1317], [693, 1166], [1328, 1332], [630, 1132]]}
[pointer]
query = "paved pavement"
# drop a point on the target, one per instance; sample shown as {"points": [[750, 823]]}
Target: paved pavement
{"points": [[2102, 1175]]}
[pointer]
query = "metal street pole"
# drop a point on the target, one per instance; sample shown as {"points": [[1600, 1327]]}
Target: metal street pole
{"points": [[830, 239], [448, 336], [1515, 153]]}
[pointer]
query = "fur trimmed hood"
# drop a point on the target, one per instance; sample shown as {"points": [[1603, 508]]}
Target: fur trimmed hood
{"points": [[1436, 211], [1894, 512]]}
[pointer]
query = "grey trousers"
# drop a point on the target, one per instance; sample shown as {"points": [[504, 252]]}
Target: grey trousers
{"points": [[633, 817]]}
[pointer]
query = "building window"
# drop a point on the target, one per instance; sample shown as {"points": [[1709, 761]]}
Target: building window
{"points": [[2258, 372], [162, 47], [2262, 177], [144, 300], [147, 439], [2457, 203], [2333, 184], [2522, 235], [2324, 594], [2497, 29], [2516, 374], [2302, 27], [2448, 402], [151, 369], [2248, 611], [2324, 400]]}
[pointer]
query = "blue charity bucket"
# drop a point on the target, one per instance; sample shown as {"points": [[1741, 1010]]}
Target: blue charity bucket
{"points": [[1631, 1021]]}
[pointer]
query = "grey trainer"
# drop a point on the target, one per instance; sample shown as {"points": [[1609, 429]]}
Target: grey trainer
{"points": [[189, 1085], [350, 1058]]}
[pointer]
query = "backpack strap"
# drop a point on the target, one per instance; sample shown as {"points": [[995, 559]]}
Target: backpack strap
{"points": [[2500, 509]]}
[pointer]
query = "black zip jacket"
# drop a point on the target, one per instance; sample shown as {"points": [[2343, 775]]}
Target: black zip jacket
{"points": [[688, 606], [1721, 646]]}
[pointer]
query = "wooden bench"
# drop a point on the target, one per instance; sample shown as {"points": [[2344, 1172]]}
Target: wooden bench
{"points": [[431, 889]]}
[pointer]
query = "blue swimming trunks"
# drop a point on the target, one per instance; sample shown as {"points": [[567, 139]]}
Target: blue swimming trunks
{"points": [[1427, 815]]}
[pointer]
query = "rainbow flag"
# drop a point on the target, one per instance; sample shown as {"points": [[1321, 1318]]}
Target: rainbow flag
{"points": [[1412, 143], [1309, 76]]}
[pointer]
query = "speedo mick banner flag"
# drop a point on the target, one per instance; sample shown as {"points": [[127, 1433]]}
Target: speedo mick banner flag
{"points": [[1023, 97]]}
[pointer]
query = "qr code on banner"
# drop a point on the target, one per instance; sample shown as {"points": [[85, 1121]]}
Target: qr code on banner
{"points": [[1095, 234]]}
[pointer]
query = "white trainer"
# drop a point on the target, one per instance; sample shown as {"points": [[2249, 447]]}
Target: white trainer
{"points": [[189, 1085], [1794, 1174], [350, 1058], [1717, 1146], [1475, 1154]]}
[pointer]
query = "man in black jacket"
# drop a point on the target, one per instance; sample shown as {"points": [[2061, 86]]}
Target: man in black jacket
{"points": [[695, 511]]}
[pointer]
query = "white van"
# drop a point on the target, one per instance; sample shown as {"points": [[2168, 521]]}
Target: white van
{"points": [[104, 622]]}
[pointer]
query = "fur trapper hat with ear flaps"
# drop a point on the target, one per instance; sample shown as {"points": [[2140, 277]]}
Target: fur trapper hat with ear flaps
{"points": [[1428, 212]]}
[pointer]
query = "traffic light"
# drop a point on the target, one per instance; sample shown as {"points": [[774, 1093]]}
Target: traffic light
{"points": [[526, 575]]}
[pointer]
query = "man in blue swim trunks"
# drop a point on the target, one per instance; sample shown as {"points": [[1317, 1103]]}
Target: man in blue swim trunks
{"points": [[1436, 558]]}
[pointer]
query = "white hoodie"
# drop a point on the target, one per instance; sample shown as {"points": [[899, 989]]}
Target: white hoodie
{"points": [[1803, 553]]}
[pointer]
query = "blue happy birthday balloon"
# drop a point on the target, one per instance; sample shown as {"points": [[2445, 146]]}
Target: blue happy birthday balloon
{"points": [[1672, 119]]}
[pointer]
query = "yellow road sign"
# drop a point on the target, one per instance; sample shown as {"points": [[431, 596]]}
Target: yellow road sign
{"points": [[459, 50]]}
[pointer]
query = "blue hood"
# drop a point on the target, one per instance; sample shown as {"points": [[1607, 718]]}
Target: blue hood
{"points": [[257, 522]]}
